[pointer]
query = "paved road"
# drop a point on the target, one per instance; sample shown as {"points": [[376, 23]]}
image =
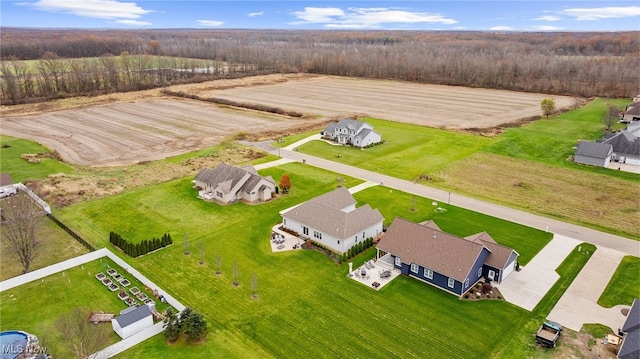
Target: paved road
{"points": [[588, 235]]}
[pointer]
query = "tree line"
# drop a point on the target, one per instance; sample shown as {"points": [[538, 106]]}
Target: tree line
{"points": [[579, 64], [138, 249]]}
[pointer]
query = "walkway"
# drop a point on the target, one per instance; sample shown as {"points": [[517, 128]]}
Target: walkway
{"points": [[579, 304], [528, 286]]}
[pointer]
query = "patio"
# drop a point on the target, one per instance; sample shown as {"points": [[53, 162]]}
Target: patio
{"points": [[374, 273], [283, 241]]}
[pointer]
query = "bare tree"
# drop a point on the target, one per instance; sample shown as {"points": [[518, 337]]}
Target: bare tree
{"points": [[201, 245], [186, 244], [235, 273], [254, 285], [21, 217], [610, 116], [83, 337], [218, 263]]}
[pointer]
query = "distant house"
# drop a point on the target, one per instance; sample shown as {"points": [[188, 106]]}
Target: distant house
{"points": [[630, 347], [6, 185], [626, 144], [333, 220], [593, 153], [631, 113], [454, 264], [227, 184], [132, 320], [352, 132]]}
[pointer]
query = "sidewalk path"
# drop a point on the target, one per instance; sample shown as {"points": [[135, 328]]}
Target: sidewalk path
{"points": [[579, 304], [528, 286]]}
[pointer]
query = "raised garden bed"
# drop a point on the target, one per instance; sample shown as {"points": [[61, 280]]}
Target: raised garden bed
{"points": [[150, 302], [107, 282], [123, 295], [125, 283], [113, 287], [112, 272], [142, 297], [100, 276], [118, 277], [130, 302], [134, 290]]}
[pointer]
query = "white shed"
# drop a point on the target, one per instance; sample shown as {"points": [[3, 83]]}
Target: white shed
{"points": [[132, 320]]}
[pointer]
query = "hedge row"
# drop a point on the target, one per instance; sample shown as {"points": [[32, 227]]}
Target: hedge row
{"points": [[356, 249], [138, 249]]}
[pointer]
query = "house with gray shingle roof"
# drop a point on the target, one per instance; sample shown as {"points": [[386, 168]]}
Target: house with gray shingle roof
{"points": [[333, 220], [630, 347], [132, 320], [593, 153], [446, 261], [352, 132], [227, 184], [626, 144]]}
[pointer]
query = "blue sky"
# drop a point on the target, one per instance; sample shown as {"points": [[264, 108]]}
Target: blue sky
{"points": [[558, 15]]}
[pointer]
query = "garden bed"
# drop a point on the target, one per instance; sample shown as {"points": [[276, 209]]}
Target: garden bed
{"points": [[482, 291]]}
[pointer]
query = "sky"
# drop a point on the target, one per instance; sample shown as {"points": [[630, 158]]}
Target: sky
{"points": [[475, 15]]}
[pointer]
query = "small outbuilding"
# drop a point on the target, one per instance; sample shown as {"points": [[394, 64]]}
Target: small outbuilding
{"points": [[132, 320], [593, 153]]}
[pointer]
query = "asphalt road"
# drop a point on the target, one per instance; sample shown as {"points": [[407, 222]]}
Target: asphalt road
{"points": [[588, 235]]}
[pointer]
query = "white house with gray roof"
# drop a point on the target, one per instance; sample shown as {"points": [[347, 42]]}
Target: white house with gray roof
{"points": [[132, 320], [333, 220], [227, 184], [593, 153], [352, 132]]}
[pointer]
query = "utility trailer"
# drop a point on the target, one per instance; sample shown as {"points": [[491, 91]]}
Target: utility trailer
{"points": [[548, 334]]}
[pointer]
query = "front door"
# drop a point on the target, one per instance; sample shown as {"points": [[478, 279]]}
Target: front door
{"points": [[492, 274]]}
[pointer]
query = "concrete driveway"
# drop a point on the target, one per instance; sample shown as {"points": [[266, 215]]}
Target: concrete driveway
{"points": [[527, 287], [579, 304]]}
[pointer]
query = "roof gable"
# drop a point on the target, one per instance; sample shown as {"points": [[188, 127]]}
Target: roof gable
{"points": [[439, 251], [624, 142], [337, 199], [133, 316]]}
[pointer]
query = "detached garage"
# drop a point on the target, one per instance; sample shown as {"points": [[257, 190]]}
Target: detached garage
{"points": [[132, 320]]}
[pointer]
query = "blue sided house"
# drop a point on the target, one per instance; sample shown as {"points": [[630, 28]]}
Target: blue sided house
{"points": [[454, 264]]}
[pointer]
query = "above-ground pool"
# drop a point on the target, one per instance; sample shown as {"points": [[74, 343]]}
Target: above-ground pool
{"points": [[12, 343]]}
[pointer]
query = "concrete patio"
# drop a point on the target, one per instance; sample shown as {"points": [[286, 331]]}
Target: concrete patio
{"points": [[374, 274], [285, 241]]}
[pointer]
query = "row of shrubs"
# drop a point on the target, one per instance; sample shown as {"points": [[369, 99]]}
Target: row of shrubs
{"points": [[138, 249], [373, 144], [356, 249], [222, 101]]}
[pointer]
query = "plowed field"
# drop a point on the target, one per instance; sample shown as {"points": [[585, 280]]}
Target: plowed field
{"points": [[427, 105], [130, 132]]}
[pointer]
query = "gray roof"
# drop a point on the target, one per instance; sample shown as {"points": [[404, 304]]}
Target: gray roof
{"points": [[594, 149], [330, 127], [325, 214], [228, 176], [499, 257], [132, 316], [630, 348], [345, 122], [624, 143], [439, 251]]}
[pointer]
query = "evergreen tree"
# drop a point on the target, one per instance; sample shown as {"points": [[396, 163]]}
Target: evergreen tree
{"points": [[194, 327], [171, 326]]}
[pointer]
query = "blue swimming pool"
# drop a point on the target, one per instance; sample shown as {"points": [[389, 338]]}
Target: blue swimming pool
{"points": [[12, 343]]}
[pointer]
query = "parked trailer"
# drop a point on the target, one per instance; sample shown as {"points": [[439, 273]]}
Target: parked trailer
{"points": [[548, 334]]}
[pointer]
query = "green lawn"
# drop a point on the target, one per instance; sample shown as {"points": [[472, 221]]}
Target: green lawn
{"points": [[624, 286], [526, 241], [522, 344], [307, 306], [20, 170], [408, 151], [34, 307]]}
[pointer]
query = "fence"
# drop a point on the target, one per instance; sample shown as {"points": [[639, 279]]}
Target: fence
{"points": [[71, 233], [34, 196]]}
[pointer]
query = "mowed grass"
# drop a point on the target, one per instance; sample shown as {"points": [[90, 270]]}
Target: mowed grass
{"points": [[34, 307], [12, 148], [306, 306], [593, 200], [522, 344], [55, 246], [526, 241], [408, 151], [624, 286]]}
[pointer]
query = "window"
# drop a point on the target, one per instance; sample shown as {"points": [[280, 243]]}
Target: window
{"points": [[414, 268], [284, 221], [305, 231], [428, 273], [317, 234], [479, 272], [398, 261], [362, 235], [466, 283], [338, 241], [451, 282], [219, 194]]}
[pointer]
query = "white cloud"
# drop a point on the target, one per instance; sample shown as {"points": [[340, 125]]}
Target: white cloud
{"points": [[501, 28], [548, 18], [212, 23], [603, 12], [544, 28], [361, 18], [254, 14], [101, 9], [133, 22]]}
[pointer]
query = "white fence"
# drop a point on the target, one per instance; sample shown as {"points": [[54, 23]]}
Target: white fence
{"points": [[89, 257], [35, 197]]}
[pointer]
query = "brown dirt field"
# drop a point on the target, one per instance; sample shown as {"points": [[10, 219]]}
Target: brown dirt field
{"points": [[563, 193], [123, 133], [439, 106]]}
